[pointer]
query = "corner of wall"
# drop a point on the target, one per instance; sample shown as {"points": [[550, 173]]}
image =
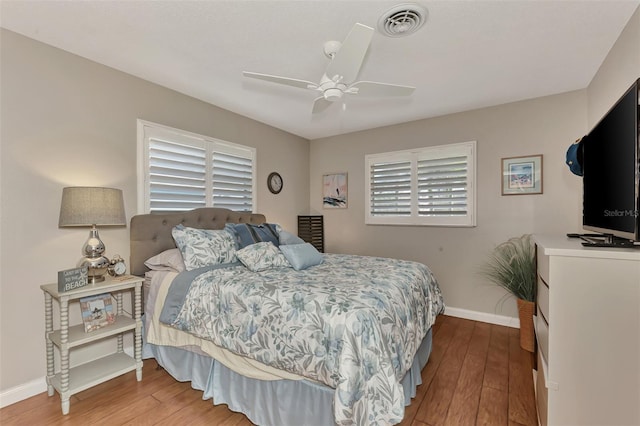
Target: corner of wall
{"points": [[618, 71]]}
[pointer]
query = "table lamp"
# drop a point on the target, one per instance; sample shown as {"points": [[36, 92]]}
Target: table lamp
{"points": [[92, 206]]}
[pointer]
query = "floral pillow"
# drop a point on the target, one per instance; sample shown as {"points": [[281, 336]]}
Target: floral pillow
{"points": [[262, 256], [203, 247]]}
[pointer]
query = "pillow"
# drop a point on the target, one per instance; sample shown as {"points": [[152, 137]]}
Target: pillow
{"points": [[203, 247], [288, 238], [261, 256], [168, 260], [301, 256], [247, 234]]}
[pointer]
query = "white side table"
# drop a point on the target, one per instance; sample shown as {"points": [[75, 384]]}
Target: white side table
{"points": [[70, 381]]}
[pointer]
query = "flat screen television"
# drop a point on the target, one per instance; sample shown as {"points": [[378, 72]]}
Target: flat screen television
{"points": [[611, 175]]}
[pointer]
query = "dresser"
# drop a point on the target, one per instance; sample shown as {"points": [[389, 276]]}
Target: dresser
{"points": [[588, 333]]}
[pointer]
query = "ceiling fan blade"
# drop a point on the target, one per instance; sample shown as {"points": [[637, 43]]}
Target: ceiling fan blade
{"points": [[348, 60], [303, 84], [320, 104], [372, 88]]}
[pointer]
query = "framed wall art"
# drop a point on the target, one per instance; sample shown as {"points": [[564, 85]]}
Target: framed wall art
{"points": [[334, 191], [522, 175]]}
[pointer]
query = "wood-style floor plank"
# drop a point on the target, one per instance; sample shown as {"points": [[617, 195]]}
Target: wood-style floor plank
{"points": [[493, 409], [477, 374], [497, 369], [522, 407], [435, 404]]}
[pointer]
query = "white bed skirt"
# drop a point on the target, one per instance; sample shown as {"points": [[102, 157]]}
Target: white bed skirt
{"points": [[264, 402]]}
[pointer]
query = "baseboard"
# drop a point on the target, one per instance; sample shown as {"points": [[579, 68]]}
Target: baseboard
{"points": [[483, 317], [32, 388], [24, 391]]}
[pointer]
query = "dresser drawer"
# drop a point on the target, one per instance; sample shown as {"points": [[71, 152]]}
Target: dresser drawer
{"points": [[542, 264], [543, 299], [542, 393], [542, 334]]}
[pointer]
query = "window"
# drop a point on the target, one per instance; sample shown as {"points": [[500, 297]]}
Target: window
{"points": [[426, 186], [180, 171]]}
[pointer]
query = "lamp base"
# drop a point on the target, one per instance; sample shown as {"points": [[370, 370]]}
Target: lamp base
{"points": [[97, 267]]}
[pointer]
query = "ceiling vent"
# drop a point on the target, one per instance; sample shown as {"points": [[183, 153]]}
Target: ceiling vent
{"points": [[402, 20]]}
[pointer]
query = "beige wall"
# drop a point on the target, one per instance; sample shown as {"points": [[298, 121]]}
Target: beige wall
{"points": [[541, 126], [616, 74], [68, 121]]}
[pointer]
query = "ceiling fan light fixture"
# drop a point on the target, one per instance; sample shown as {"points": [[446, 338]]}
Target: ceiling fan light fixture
{"points": [[332, 95], [402, 20]]}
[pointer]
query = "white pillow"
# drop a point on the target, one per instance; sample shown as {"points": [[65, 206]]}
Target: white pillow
{"points": [[168, 260]]}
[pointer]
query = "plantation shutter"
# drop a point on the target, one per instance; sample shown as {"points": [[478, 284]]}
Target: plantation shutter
{"points": [[177, 176], [232, 181], [442, 186], [390, 188], [180, 171], [431, 186]]}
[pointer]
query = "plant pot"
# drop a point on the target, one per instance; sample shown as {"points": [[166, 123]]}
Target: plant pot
{"points": [[527, 333]]}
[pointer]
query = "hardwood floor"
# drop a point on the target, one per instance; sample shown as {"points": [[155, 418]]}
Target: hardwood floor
{"points": [[476, 375]]}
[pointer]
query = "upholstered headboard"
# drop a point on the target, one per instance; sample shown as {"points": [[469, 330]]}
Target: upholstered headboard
{"points": [[150, 234]]}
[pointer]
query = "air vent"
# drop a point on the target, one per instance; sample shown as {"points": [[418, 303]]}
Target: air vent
{"points": [[402, 20]]}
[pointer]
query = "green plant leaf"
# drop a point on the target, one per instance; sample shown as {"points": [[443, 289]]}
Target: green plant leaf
{"points": [[512, 266]]}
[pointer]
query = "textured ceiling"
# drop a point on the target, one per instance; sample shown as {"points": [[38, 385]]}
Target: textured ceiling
{"points": [[469, 54]]}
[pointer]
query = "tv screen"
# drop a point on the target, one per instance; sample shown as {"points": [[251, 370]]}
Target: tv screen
{"points": [[612, 172]]}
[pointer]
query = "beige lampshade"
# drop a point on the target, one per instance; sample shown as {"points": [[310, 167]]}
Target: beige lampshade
{"points": [[87, 206]]}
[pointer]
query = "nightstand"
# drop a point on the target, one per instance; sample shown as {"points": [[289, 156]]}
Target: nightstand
{"points": [[70, 381]]}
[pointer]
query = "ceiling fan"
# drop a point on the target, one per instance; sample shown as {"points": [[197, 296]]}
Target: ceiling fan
{"points": [[340, 76]]}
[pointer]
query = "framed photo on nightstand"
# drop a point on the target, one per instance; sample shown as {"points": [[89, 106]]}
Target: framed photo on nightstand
{"points": [[97, 311]]}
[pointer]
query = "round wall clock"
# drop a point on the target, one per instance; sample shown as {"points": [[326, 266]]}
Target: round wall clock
{"points": [[274, 182]]}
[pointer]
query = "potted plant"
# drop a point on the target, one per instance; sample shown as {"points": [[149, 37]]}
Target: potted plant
{"points": [[512, 266]]}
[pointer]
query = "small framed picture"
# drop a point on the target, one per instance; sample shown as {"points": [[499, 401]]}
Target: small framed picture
{"points": [[97, 311], [522, 175], [334, 191]]}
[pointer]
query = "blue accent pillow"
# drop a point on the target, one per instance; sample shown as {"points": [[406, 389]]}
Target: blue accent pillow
{"points": [[287, 238], [301, 256], [247, 234]]}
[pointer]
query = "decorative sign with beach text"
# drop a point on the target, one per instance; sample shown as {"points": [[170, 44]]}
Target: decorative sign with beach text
{"points": [[71, 279]]}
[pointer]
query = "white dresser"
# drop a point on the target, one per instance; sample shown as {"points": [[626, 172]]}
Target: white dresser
{"points": [[588, 333]]}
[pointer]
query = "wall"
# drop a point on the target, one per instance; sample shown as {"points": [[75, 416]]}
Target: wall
{"points": [[619, 70], [69, 121], [540, 126]]}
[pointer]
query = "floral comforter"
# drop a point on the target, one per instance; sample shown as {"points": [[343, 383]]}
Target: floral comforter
{"points": [[353, 323]]}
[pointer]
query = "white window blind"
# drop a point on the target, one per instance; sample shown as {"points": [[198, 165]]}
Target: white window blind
{"points": [[426, 186], [181, 171], [232, 181], [177, 176], [390, 191], [442, 186]]}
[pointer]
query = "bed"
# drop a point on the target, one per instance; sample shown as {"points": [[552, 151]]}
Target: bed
{"points": [[340, 342]]}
